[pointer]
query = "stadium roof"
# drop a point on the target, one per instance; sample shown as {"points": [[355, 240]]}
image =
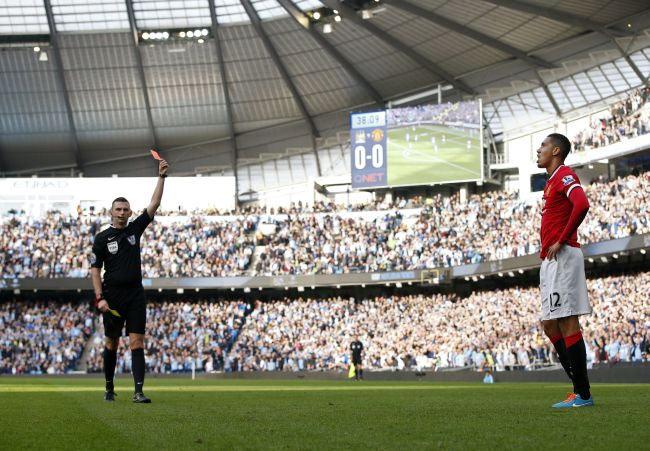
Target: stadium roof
{"points": [[89, 85]]}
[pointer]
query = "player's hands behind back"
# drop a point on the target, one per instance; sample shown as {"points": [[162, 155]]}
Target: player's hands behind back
{"points": [[162, 168]]}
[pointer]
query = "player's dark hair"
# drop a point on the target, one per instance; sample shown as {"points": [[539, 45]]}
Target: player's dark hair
{"points": [[119, 199], [562, 142]]}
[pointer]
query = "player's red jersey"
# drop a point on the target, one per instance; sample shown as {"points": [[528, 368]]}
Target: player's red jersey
{"points": [[557, 207]]}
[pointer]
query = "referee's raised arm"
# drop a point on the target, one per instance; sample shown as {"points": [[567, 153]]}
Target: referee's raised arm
{"points": [[158, 192]]}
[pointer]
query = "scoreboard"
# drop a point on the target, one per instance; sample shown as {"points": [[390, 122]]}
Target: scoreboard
{"points": [[417, 145], [368, 139]]}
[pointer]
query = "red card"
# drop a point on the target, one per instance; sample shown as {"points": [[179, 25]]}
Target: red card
{"points": [[155, 155]]}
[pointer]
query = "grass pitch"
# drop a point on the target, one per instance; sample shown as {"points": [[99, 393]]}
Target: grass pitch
{"points": [[424, 161], [55, 413]]}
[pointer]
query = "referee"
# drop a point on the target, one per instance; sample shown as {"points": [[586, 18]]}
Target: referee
{"points": [[120, 298], [357, 348]]}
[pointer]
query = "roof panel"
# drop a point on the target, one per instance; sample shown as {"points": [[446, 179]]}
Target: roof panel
{"points": [[259, 90], [333, 100], [261, 69], [184, 95], [96, 79], [268, 9], [179, 116], [405, 82], [114, 99], [464, 11], [157, 14], [328, 80], [178, 54], [23, 17], [89, 15], [537, 32], [308, 5], [196, 74], [25, 102], [28, 123], [110, 120], [283, 109], [475, 58], [243, 49], [230, 12], [27, 82]]}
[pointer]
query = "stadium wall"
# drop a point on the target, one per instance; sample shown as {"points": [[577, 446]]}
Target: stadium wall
{"points": [[620, 373]]}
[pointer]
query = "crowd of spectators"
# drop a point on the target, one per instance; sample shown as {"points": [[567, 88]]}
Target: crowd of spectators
{"points": [[441, 113], [58, 245], [442, 231], [446, 232], [181, 336], [626, 119], [498, 330], [42, 337]]}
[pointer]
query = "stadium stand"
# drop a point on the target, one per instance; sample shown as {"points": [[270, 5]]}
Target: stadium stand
{"points": [[182, 335], [43, 337], [496, 329], [445, 232], [626, 119]]}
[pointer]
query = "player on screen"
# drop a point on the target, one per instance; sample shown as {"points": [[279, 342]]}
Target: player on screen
{"points": [[120, 297], [562, 275]]}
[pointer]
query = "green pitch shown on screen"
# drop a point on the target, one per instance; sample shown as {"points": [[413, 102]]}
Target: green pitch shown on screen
{"points": [[434, 144]]}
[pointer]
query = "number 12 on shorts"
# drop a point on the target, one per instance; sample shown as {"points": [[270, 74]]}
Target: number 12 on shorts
{"points": [[554, 301]]}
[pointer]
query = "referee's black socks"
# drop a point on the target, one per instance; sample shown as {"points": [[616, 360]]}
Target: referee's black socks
{"points": [[137, 366], [110, 360]]}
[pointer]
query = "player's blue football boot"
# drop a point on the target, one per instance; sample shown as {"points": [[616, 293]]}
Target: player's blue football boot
{"points": [[579, 402], [567, 403]]}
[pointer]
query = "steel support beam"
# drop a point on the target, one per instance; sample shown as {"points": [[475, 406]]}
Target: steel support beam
{"points": [[560, 16], [349, 13], [304, 21], [221, 66], [547, 91], [140, 67], [58, 64], [257, 24], [469, 32]]}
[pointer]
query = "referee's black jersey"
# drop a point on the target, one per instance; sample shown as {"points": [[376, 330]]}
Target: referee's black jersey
{"points": [[118, 250], [356, 347]]}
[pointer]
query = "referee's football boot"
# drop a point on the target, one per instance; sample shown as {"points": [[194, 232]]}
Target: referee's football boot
{"points": [[109, 395], [140, 398]]}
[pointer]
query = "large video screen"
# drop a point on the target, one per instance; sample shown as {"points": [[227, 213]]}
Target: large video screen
{"points": [[417, 145]]}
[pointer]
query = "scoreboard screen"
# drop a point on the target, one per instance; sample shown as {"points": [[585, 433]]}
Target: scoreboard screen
{"points": [[419, 145], [368, 139]]}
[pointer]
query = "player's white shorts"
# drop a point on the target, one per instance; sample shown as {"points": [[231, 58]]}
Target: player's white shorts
{"points": [[563, 285]]}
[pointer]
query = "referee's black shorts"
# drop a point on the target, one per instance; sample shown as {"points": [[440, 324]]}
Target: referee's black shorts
{"points": [[130, 303], [356, 360]]}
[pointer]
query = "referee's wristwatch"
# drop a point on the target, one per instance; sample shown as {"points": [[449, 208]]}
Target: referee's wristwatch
{"points": [[163, 176]]}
